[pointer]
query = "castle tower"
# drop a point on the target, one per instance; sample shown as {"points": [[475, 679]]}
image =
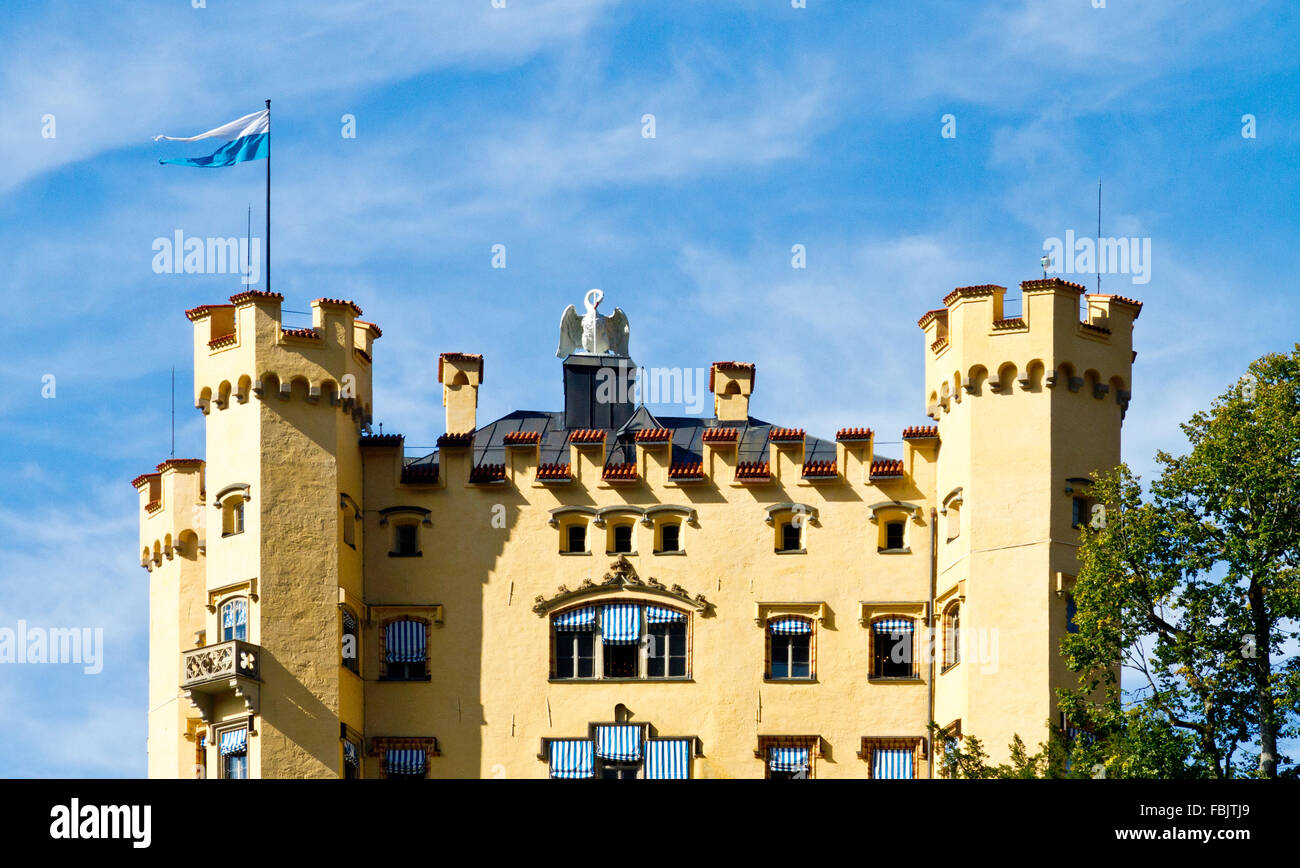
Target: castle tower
{"points": [[171, 549], [284, 410], [1027, 407]]}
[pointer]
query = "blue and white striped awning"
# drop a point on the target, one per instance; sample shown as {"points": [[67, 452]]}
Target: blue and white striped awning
{"points": [[893, 625], [404, 761], [892, 763], [576, 619], [619, 743], [349, 622], [660, 615], [787, 759], [404, 642], [234, 613], [572, 758], [789, 626], [234, 741], [668, 759], [350, 754], [620, 623]]}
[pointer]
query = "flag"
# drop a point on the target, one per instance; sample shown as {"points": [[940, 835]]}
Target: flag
{"points": [[248, 138]]}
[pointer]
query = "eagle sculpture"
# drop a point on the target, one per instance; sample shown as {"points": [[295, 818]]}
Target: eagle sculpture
{"points": [[592, 333]]}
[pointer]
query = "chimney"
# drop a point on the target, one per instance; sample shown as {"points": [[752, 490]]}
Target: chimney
{"points": [[460, 375], [731, 384]]}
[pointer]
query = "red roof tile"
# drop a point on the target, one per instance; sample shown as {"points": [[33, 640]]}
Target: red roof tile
{"points": [[970, 292], [339, 302], [938, 345], [487, 473], [221, 341], [587, 435], [449, 439], [180, 464], [686, 470], [853, 434], [301, 333], [886, 468], [379, 333], [1014, 322], [1121, 300], [380, 440], [753, 471], [819, 469], [522, 438], [932, 315], [654, 435], [153, 506], [460, 357], [203, 310], [920, 432], [558, 472], [419, 474], [1052, 283], [721, 435], [250, 294], [141, 478], [785, 435], [1101, 330], [619, 472], [732, 366]]}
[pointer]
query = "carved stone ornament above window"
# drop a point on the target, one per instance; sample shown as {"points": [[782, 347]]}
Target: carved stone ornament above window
{"points": [[622, 576]]}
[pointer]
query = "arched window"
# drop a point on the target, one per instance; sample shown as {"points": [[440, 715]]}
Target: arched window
{"points": [[232, 515], [952, 636], [234, 619]]}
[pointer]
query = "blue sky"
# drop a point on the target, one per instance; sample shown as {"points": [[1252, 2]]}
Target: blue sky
{"points": [[521, 126]]}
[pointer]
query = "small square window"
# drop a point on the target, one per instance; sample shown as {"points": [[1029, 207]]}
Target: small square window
{"points": [[621, 660], [894, 535]]}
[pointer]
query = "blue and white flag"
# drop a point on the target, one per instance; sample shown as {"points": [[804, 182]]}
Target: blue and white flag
{"points": [[248, 138]]}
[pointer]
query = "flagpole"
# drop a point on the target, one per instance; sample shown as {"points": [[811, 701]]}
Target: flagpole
{"points": [[268, 195]]}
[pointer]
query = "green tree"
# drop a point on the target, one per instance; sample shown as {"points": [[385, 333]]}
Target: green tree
{"points": [[1196, 587]]}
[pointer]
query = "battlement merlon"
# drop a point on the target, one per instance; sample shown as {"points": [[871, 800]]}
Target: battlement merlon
{"points": [[171, 509], [242, 347], [1062, 331], [460, 374]]}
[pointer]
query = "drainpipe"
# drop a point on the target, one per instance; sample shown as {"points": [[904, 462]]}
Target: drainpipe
{"points": [[934, 580]]}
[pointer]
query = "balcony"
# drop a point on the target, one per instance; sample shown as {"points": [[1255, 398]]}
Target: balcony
{"points": [[227, 669]]}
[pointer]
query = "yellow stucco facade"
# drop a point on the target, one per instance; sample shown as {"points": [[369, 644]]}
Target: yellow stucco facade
{"points": [[299, 523]]}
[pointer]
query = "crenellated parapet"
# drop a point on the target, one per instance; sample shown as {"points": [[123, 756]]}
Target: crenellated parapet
{"points": [[172, 498], [242, 351], [1064, 338]]}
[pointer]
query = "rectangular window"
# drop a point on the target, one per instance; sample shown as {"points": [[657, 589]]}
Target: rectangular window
{"points": [[577, 540], [405, 540], [792, 656], [670, 539], [575, 654], [351, 760], [666, 654], [1078, 512], [620, 660], [619, 771], [790, 537], [894, 535], [406, 652], [892, 648], [622, 539], [233, 746]]}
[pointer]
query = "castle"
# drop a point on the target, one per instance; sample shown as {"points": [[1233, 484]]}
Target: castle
{"points": [[597, 592]]}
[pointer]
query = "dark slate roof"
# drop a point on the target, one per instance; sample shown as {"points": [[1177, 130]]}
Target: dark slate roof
{"points": [[620, 448]]}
